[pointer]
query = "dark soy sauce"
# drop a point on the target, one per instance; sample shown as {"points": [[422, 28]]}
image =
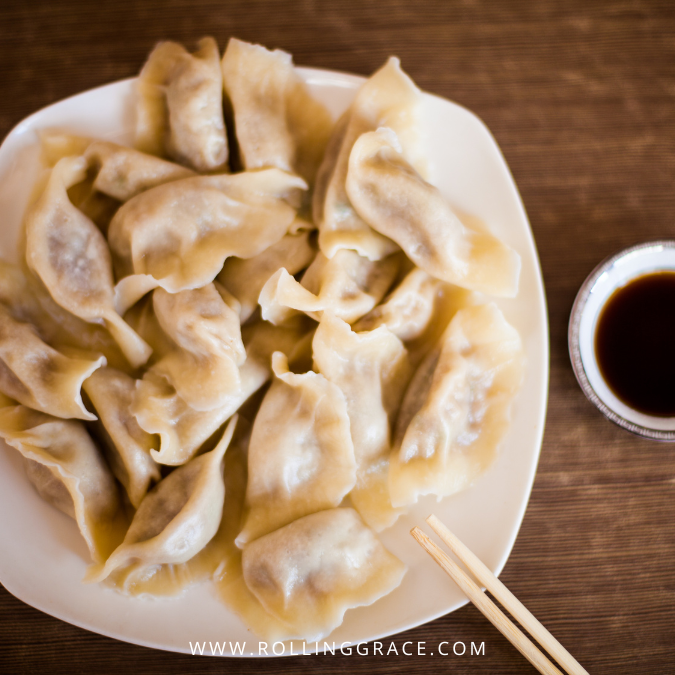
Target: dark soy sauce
{"points": [[635, 344]]}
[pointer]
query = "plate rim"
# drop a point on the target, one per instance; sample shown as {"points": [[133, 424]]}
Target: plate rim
{"points": [[349, 81]]}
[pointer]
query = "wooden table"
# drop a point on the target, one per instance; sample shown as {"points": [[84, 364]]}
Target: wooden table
{"points": [[581, 98]]}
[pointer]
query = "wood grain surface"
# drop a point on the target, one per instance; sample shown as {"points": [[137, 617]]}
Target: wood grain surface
{"points": [[581, 99]]}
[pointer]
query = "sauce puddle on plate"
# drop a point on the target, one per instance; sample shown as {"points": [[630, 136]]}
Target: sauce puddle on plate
{"points": [[635, 343]]}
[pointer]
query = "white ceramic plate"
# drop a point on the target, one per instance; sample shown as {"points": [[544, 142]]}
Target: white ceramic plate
{"points": [[43, 558]]}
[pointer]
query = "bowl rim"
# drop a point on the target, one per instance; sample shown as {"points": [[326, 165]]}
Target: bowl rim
{"points": [[573, 337]]}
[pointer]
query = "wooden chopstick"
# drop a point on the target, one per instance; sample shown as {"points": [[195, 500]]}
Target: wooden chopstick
{"points": [[511, 632], [507, 599]]}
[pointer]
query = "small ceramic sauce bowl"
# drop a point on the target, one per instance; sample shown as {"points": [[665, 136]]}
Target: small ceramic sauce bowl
{"points": [[615, 272]]}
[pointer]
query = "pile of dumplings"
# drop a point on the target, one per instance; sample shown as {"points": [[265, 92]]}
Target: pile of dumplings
{"points": [[240, 349]]}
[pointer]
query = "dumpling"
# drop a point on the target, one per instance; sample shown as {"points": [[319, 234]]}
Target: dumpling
{"points": [[457, 407], [169, 579], [69, 472], [204, 365], [39, 376], [180, 105], [128, 446], [372, 371], [177, 518], [301, 456], [246, 278], [182, 430], [68, 252], [118, 171], [29, 302], [123, 172], [142, 318], [389, 98], [396, 201], [348, 285], [277, 122], [309, 573], [56, 144], [178, 235], [408, 309]]}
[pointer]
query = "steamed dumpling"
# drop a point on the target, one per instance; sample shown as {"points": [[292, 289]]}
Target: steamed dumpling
{"points": [[29, 302], [38, 375], [182, 430], [178, 235], [301, 456], [309, 573], [128, 446], [123, 172], [180, 105], [372, 370], [276, 120], [389, 98], [457, 407], [69, 472], [408, 309], [395, 200], [204, 365], [118, 171], [177, 518], [348, 285], [170, 579], [246, 278], [69, 253]]}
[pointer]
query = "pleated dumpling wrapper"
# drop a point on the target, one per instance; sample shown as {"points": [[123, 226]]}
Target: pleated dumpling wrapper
{"points": [[182, 430], [395, 200], [244, 279], [218, 557], [29, 301], [127, 446], [68, 252], [457, 407], [118, 171], [309, 573], [389, 98], [178, 235], [38, 375], [177, 518], [348, 285], [70, 473], [123, 172], [408, 309], [276, 120], [372, 371], [301, 456], [179, 110], [204, 365]]}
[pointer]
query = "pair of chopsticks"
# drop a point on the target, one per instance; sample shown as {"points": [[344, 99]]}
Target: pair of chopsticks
{"points": [[517, 638]]}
